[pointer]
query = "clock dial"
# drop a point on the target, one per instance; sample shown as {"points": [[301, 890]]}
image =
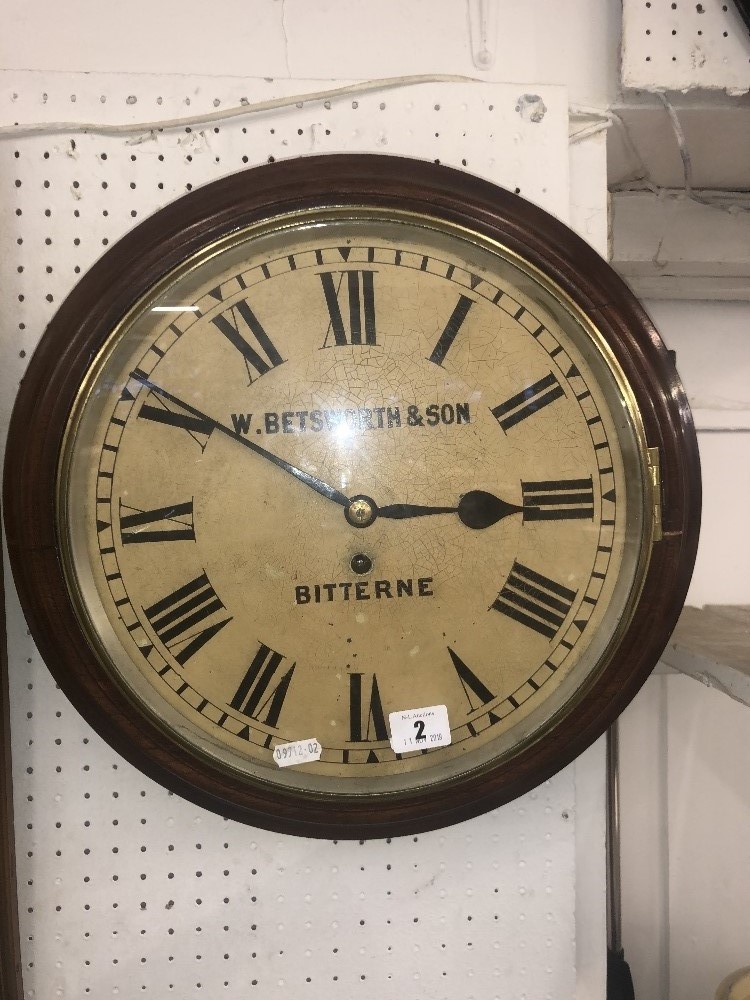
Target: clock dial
{"points": [[354, 389], [325, 457]]}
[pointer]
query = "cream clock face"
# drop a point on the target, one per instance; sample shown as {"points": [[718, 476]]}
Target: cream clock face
{"points": [[346, 464]]}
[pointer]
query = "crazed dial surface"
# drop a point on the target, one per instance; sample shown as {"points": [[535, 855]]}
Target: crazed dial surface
{"points": [[332, 443], [387, 361]]}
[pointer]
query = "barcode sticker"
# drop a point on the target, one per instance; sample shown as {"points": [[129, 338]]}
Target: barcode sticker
{"points": [[299, 752]]}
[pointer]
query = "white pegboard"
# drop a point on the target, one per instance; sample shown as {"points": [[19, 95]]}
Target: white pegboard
{"points": [[684, 45], [69, 195], [124, 889]]}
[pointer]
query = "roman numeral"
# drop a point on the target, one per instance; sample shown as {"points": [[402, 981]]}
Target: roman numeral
{"points": [[452, 327], [199, 428], [360, 311], [534, 600], [532, 399], [365, 726], [558, 500], [261, 355], [176, 618], [470, 683], [164, 524], [263, 688]]}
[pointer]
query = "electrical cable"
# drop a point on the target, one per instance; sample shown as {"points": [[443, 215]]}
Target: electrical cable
{"points": [[605, 119], [687, 163], [205, 118]]}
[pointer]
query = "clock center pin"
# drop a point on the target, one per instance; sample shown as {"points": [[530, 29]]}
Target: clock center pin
{"points": [[361, 512]]}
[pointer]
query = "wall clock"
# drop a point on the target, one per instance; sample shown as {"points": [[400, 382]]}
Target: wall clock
{"points": [[351, 496]]}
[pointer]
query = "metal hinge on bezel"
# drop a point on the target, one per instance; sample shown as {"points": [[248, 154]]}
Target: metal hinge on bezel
{"points": [[654, 470]]}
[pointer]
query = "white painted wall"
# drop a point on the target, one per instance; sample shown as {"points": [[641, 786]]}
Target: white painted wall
{"points": [[685, 821], [319, 39]]}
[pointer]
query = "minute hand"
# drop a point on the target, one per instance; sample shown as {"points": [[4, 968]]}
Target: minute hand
{"points": [[476, 509], [329, 492]]}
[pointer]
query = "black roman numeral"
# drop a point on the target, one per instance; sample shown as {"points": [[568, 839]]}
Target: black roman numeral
{"points": [[534, 600], [239, 319], [471, 683], [452, 327], [164, 524], [198, 428], [558, 500], [360, 312], [365, 726], [176, 618], [264, 687], [532, 399]]}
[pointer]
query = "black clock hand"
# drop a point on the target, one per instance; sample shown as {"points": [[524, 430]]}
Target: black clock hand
{"points": [[329, 492], [476, 509], [401, 511]]}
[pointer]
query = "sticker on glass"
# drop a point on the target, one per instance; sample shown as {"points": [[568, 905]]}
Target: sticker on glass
{"points": [[419, 728], [299, 752]]}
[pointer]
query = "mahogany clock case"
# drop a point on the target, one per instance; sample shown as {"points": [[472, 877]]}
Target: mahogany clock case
{"points": [[161, 244]]}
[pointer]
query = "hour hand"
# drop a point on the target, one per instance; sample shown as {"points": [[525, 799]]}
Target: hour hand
{"points": [[476, 509]]}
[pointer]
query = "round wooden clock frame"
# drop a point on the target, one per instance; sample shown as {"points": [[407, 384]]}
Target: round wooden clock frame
{"points": [[162, 243]]}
